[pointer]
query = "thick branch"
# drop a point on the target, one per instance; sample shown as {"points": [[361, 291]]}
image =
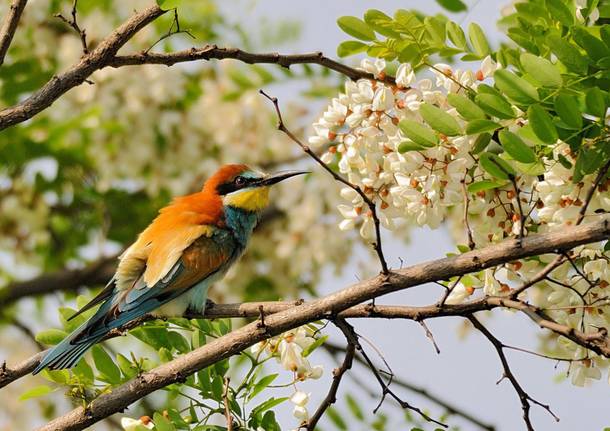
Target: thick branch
{"points": [[10, 26], [105, 55], [246, 336], [78, 73]]}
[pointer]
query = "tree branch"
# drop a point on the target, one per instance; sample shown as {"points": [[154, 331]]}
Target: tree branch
{"points": [[78, 73], [105, 55], [73, 22], [451, 409], [275, 324], [67, 279], [352, 337], [331, 397], [211, 52], [524, 397], [9, 26]]}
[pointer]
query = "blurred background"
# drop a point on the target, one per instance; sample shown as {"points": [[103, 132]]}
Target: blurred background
{"points": [[81, 179]]}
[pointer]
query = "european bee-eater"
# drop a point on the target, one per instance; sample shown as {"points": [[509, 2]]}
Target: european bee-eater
{"points": [[188, 246]]}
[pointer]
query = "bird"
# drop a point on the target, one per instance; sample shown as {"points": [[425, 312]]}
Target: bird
{"points": [[170, 267]]}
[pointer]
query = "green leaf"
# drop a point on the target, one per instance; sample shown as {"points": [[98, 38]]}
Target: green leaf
{"points": [[566, 106], [515, 87], [350, 47], [418, 133], [604, 32], [480, 126], [592, 45], [162, 423], [51, 337], [453, 5], [151, 335], [478, 40], [542, 124], [169, 4], [261, 385], [465, 107], [481, 142], [356, 27], [381, 23], [559, 11], [595, 102], [36, 392], [127, 368], [178, 342], [353, 406], [336, 419], [405, 146], [269, 404], [83, 372], [495, 166], [217, 387], [484, 185], [313, 346], [541, 70], [568, 54], [494, 105], [440, 120], [456, 35], [104, 364], [58, 376], [516, 148], [269, 423]]}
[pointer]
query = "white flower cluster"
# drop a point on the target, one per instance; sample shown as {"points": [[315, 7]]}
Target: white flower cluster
{"points": [[359, 130], [288, 348]]}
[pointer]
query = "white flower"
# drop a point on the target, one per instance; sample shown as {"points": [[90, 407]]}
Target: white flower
{"points": [[300, 400], [130, 424], [581, 371], [404, 75]]}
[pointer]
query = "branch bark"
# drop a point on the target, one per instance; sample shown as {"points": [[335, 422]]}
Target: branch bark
{"points": [[105, 55], [78, 73], [7, 32], [328, 307], [331, 396], [68, 279]]}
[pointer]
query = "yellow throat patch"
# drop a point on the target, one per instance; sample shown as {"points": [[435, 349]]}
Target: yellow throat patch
{"points": [[249, 199]]}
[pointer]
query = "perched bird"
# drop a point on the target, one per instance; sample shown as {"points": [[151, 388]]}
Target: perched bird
{"points": [[188, 246]]}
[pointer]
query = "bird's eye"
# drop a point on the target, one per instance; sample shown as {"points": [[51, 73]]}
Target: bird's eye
{"points": [[240, 181]]}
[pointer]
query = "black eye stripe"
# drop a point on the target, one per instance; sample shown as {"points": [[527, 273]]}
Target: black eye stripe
{"points": [[237, 183]]}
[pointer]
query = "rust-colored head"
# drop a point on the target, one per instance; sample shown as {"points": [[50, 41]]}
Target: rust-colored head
{"points": [[225, 174]]}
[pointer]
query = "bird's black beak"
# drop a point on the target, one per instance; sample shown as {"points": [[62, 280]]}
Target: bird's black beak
{"points": [[280, 176]]}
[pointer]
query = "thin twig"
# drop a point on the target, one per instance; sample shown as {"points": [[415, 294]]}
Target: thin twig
{"points": [[171, 32], [430, 336], [522, 218], [225, 399], [9, 26], [369, 202], [73, 22], [471, 243], [448, 291], [450, 408], [352, 337], [560, 259], [331, 396], [524, 397]]}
